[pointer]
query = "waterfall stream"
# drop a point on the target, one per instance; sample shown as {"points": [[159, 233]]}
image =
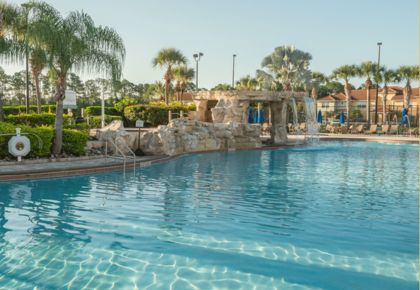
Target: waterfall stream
{"points": [[295, 116], [312, 125]]}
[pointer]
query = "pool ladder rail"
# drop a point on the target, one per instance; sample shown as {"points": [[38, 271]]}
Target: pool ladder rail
{"points": [[121, 155]]}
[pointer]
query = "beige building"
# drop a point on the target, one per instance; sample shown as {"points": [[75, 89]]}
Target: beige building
{"points": [[336, 103]]}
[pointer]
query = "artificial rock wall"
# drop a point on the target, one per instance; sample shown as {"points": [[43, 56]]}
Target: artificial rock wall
{"points": [[182, 136]]}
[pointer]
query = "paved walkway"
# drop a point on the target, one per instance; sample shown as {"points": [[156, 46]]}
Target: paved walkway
{"points": [[362, 137]]}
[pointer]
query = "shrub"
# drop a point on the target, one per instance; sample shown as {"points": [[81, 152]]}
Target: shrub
{"points": [[95, 122], [155, 113], [97, 111], [34, 120], [125, 102], [74, 142], [16, 110]]}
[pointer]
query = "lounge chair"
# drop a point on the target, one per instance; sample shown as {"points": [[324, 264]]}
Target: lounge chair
{"points": [[385, 129], [302, 126], [394, 129], [357, 129], [372, 129], [343, 130]]}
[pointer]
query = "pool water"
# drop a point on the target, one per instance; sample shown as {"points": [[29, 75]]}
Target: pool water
{"points": [[327, 216]]}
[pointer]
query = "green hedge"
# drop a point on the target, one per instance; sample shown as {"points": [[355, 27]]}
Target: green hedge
{"points": [[156, 113], [74, 142], [34, 120], [97, 111], [15, 110], [95, 122]]}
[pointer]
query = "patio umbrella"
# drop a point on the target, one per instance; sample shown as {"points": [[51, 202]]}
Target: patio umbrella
{"points": [[250, 115], [319, 117], [342, 118], [404, 118]]}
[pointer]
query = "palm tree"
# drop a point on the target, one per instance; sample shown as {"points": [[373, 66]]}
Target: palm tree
{"points": [[182, 75], [247, 83], [288, 65], [317, 78], [267, 82], [408, 73], [18, 42], [367, 70], [386, 76], [75, 43], [344, 73], [167, 58]]}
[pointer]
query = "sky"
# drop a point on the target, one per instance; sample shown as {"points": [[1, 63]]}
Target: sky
{"points": [[334, 32]]}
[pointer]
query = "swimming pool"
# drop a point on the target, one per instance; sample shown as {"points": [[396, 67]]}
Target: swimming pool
{"points": [[329, 216]]}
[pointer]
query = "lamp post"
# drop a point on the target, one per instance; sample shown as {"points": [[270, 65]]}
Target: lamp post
{"points": [[197, 57], [377, 84], [233, 71]]}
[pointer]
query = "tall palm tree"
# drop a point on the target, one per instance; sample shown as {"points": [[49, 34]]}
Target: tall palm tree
{"points": [[75, 43], [366, 70], [344, 73], [17, 42], [267, 82], [182, 75], [288, 65], [167, 58], [408, 73], [317, 78]]}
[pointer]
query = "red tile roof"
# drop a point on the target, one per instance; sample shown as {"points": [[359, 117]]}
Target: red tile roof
{"points": [[360, 95]]}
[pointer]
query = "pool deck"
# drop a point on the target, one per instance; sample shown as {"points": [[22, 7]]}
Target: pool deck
{"points": [[363, 137], [47, 168]]}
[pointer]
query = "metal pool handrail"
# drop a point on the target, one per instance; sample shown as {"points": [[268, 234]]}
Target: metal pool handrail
{"points": [[118, 149]]}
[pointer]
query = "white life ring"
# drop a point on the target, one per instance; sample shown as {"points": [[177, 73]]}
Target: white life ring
{"points": [[19, 146]]}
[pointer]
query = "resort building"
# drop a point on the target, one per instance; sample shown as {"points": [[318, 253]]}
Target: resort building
{"points": [[334, 104]]}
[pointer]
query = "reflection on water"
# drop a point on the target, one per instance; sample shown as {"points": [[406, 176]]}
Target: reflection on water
{"points": [[300, 218]]}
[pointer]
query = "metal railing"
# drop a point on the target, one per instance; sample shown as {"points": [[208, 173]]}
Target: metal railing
{"points": [[121, 152]]}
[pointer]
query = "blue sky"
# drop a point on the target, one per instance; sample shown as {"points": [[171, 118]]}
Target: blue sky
{"points": [[335, 32]]}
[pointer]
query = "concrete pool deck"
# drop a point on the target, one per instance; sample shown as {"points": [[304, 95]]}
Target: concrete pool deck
{"points": [[46, 168], [362, 137]]}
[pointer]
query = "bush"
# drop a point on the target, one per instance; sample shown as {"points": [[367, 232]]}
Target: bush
{"points": [[16, 110], [155, 113], [95, 122], [97, 111], [125, 102], [74, 142], [34, 120]]}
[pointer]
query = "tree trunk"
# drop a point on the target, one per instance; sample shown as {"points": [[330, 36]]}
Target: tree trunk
{"points": [[1, 107], [348, 102], [407, 95], [368, 104], [168, 78], [385, 93], [59, 97], [38, 93]]}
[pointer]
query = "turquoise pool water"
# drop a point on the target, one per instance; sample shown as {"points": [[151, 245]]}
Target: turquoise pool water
{"points": [[328, 216]]}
